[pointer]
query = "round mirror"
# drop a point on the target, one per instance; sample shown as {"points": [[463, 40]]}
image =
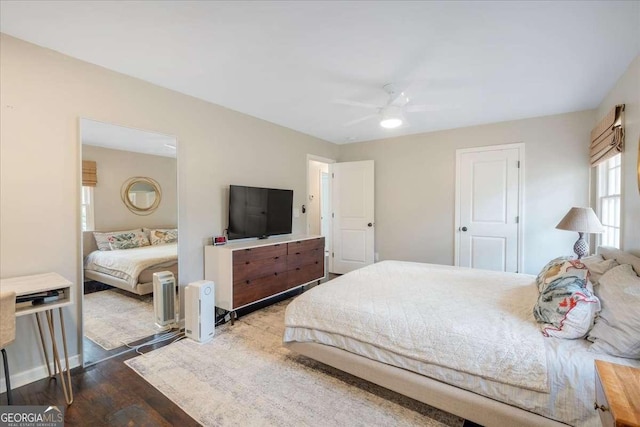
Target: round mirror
{"points": [[141, 195]]}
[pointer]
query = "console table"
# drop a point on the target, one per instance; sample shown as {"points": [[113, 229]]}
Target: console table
{"points": [[42, 294], [248, 272]]}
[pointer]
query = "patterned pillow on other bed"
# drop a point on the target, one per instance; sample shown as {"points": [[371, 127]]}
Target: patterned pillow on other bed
{"points": [[102, 238], [162, 236], [566, 306], [135, 239]]}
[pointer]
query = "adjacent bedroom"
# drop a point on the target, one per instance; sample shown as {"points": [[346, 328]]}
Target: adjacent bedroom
{"points": [[320, 213]]}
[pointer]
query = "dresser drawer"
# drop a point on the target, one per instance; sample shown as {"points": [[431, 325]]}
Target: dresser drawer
{"points": [[298, 259], [253, 290], [304, 274], [305, 245], [251, 269], [250, 254]]}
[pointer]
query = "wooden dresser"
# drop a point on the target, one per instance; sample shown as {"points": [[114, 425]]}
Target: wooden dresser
{"points": [[617, 394], [247, 272]]}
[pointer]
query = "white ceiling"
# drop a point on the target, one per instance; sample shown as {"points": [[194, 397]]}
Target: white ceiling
{"points": [[126, 139], [286, 62]]}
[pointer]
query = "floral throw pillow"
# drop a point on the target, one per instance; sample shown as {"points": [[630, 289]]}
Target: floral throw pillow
{"points": [[557, 267], [102, 238], [129, 240], [163, 236], [567, 307]]}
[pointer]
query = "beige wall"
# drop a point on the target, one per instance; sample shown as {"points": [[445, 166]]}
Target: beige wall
{"points": [[44, 94], [627, 91], [415, 185], [117, 166]]}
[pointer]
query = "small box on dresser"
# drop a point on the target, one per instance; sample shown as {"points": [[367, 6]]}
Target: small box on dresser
{"points": [[617, 394], [247, 272]]}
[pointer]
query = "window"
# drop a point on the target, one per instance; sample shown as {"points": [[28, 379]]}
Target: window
{"points": [[86, 209], [609, 177]]}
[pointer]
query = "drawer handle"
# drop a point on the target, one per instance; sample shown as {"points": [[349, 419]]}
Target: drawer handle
{"points": [[247, 250], [248, 262], [277, 257], [317, 262], [297, 268], [297, 253], [248, 281], [601, 407], [275, 274]]}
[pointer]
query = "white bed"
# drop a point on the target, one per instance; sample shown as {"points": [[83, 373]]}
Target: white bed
{"points": [[462, 340], [128, 269]]}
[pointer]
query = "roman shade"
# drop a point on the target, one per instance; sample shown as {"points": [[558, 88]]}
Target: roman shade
{"points": [[89, 173], [607, 138]]}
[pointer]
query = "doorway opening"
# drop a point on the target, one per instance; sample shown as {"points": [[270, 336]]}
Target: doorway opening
{"points": [[318, 202]]}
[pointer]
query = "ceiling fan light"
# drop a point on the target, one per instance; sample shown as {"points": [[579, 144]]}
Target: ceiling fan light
{"points": [[390, 122]]}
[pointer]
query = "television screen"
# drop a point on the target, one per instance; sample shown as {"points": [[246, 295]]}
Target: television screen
{"points": [[259, 212]]}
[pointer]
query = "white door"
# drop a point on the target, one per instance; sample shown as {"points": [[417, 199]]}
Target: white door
{"points": [[488, 206], [353, 215]]}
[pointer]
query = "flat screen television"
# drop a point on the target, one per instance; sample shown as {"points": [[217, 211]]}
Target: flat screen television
{"points": [[259, 212]]}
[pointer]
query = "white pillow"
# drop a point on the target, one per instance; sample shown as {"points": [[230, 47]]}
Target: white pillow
{"points": [[597, 266], [617, 329]]}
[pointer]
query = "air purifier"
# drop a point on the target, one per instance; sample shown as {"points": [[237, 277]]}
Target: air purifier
{"points": [[199, 307], [164, 298]]}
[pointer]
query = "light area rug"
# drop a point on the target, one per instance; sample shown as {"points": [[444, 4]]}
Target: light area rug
{"points": [[112, 318], [245, 377]]}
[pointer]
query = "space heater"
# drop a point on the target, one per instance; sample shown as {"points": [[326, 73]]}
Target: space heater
{"points": [[164, 298], [199, 311]]}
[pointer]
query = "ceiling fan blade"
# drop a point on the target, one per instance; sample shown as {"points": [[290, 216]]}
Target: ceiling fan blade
{"points": [[361, 119], [355, 104]]}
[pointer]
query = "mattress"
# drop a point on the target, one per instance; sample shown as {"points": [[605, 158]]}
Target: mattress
{"points": [[569, 368], [134, 265]]}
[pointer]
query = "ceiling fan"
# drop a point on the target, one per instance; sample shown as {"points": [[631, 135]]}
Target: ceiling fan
{"points": [[391, 114]]}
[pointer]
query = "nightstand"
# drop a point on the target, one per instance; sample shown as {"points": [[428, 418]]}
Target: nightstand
{"points": [[617, 394]]}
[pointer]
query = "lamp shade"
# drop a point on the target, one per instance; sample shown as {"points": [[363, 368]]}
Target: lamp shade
{"points": [[583, 220]]}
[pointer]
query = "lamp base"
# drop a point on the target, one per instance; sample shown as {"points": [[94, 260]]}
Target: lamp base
{"points": [[581, 247]]}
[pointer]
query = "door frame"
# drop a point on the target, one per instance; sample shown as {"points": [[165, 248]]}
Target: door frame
{"points": [[306, 201], [521, 216]]}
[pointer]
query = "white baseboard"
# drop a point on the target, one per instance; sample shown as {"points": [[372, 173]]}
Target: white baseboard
{"points": [[34, 374]]}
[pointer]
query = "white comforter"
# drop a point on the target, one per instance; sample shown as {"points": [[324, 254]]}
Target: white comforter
{"points": [[127, 264], [474, 321]]}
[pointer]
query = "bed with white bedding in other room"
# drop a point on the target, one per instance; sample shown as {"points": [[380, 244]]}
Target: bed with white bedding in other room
{"points": [[459, 339], [128, 269]]}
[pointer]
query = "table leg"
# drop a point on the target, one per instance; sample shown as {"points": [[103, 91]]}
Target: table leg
{"points": [[68, 395], [44, 346]]}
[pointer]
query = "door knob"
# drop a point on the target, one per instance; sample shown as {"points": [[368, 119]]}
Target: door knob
{"points": [[462, 228], [370, 224]]}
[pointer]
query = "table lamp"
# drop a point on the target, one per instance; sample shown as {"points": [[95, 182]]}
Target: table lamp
{"points": [[582, 220]]}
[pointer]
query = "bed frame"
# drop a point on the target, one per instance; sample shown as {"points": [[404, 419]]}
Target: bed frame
{"points": [[468, 405], [89, 245]]}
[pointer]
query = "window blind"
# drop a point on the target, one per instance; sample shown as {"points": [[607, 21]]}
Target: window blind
{"points": [[89, 173], [607, 138]]}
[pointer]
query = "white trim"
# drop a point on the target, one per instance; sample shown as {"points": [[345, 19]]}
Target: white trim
{"points": [[521, 217], [306, 199], [34, 374]]}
